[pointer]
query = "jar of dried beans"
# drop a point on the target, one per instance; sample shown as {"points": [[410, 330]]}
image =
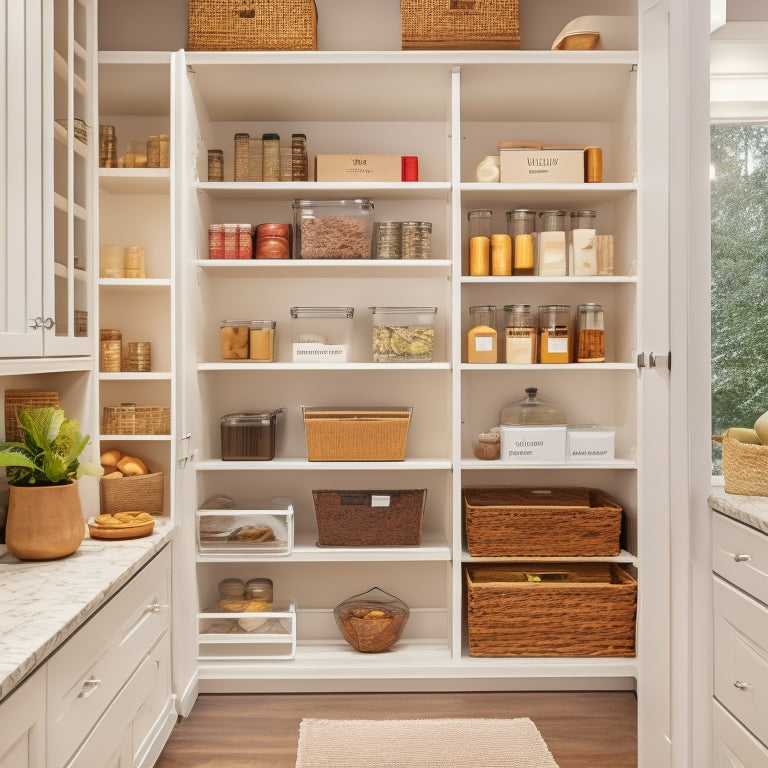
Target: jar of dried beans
{"points": [[590, 337]]}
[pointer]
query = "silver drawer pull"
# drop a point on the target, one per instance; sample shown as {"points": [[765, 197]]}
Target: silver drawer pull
{"points": [[741, 685], [156, 607], [742, 558], [89, 686]]}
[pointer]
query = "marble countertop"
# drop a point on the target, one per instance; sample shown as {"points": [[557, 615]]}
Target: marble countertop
{"points": [[750, 510], [44, 603]]}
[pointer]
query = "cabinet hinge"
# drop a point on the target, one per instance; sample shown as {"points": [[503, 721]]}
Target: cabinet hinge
{"points": [[660, 361], [641, 360]]}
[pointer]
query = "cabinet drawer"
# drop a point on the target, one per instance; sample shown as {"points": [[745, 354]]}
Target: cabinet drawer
{"points": [[741, 656], [86, 674], [740, 555], [733, 745]]}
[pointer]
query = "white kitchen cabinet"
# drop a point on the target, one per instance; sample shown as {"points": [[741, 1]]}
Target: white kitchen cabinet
{"points": [[22, 743], [740, 590], [49, 110]]}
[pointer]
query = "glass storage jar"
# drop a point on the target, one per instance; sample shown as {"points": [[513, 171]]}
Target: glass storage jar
{"points": [[333, 229], [590, 335], [234, 339], [522, 221], [555, 333], [321, 334], [270, 164], [479, 242], [519, 334], [482, 337], [261, 341], [533, 409], [403, 334]]}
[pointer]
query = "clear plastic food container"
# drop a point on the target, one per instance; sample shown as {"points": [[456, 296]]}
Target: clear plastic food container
{"points": [[249, 436], [321, 334], [403, 334], [332, 229]]}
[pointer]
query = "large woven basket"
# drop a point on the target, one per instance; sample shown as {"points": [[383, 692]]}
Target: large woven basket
{"points": [[550, 609], [460, 24], [25, 400], [745, 468], [356, 434], [252, 25], [140, 493], [131, 419], [541, 522]]}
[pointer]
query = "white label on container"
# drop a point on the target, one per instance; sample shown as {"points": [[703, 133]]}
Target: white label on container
{"points": [[557, 344], [483, 343], [380, 501], [519, 349], [319, 353]]}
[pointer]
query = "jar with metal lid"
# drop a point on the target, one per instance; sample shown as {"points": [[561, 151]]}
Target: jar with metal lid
{"points": [[590, 323], [533, 409], [387, 239], [299, 159], [551, 251], [270, 169], [555, 333], [519, 334], [482, 337], [234, 339], [585, 219]]}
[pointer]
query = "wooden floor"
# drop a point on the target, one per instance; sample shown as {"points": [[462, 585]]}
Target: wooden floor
{"points": [[582, 730]]}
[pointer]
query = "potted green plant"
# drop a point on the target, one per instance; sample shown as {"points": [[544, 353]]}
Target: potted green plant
{"points": [[45, 518]]}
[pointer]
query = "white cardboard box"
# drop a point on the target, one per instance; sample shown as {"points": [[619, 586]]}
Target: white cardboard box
{"points": [[533, 445], [547, 166], [590, 443]]}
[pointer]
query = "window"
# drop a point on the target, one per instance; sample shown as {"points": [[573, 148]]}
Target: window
{"points": [[739, 201]]}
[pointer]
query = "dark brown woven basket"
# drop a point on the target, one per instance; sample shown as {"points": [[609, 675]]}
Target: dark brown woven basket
{"points": [[460, 24], [252, 25], [541, 522], [550, 609], [369, 518]]}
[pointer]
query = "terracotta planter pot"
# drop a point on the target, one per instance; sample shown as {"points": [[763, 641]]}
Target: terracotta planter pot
{"points": [[45, 522]]}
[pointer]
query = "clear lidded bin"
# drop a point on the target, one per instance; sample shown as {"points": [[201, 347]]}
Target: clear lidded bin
{"points": [[403, 334], [321, 334], [332, 229]]}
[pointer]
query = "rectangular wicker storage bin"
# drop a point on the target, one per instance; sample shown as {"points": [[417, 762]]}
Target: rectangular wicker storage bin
{"points": [[369, 518], [541, 522], [550, 609], [745, 468], [25, 400], [130, 419], [460, 24], [141, 493], [356, 434], [252, 25]]}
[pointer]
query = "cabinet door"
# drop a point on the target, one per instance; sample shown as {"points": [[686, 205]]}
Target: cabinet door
{"points": [[21, 41], [22, 738]]}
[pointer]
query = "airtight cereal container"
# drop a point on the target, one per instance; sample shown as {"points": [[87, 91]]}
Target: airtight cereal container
{"points": [[332, 229], [403, 334], [321, 334]]}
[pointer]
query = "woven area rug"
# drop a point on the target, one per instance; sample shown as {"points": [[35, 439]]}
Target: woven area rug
{"points": [[435, 743]]}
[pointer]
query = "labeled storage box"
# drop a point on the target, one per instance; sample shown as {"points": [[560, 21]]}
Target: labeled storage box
{"points": [[550, 609], [369, 518], [251, 25], [541, 522], [332, 229], [356, 434], [585, 444], [538, 444], [321, 334], [248, 528], [451, 25], [359, 168], [547, 166]]}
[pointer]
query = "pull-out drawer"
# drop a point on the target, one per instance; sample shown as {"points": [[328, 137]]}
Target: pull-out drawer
{"points": [[741, 656], [86, 674], [740, 555], [733, 745]]}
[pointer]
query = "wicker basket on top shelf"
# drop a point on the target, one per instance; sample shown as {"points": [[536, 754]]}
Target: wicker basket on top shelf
{"points": [[451, 25], [131, 419], [247, 25]]}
